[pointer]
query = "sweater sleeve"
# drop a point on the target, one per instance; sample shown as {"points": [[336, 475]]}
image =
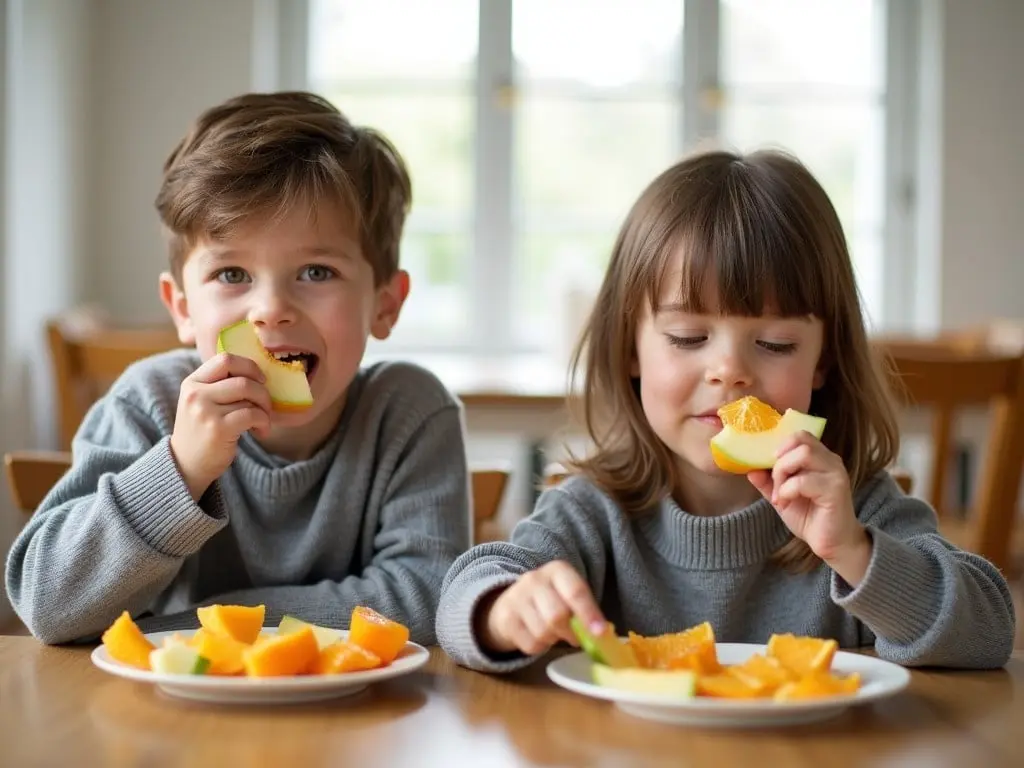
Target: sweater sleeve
{"points": [[927, 602], [423, 527], [558, 529], [112, 534]]}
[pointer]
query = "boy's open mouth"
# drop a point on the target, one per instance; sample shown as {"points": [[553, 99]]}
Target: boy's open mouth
{"points": [[309, 361]]}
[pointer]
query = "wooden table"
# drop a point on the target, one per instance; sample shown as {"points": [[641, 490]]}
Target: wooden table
{"points": [[56, 708]]}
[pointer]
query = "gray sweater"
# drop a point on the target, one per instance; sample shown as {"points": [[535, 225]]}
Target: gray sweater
{"points": [[374, 518], [922, 602]]}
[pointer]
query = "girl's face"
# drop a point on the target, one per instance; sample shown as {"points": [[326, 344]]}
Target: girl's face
{"points": [[689, 365]]}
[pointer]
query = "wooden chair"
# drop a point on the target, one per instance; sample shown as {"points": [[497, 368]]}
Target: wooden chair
{"points": [[88, 355], [488, 491], [948, 377], [31, 475]]}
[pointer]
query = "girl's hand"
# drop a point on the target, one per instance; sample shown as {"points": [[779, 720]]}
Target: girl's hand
{"points": [[533, 613], [810, 489]]}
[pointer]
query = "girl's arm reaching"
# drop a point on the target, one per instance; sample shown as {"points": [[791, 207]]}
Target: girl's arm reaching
{"points": [[503, 600]]}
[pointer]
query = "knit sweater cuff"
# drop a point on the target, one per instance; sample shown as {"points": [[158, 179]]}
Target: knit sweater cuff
{"points": [[897, 597], [456, 632], [155, 501]]}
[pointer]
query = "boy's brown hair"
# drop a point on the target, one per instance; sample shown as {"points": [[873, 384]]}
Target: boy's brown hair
{"points": [[261, 154], [761, 230]]}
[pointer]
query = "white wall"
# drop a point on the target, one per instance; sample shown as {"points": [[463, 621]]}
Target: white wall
{"points": [[159, 64], [982, 160], [46, 167]]}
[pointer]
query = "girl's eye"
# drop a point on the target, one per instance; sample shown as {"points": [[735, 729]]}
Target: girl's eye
{"points": [[685, 342], [777, 348], [231, 275], [317, 273]]}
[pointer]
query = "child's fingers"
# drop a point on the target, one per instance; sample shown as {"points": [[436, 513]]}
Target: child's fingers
{"points": [[555, 613], [223, 366], [575, 592], [239, 389], [530, 632], [245, 417], [761, 479]]}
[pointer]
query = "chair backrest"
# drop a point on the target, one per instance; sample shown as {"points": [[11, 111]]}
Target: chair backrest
{"points": [[488, 491], [87, 359], [947, 378], [31, 475]]}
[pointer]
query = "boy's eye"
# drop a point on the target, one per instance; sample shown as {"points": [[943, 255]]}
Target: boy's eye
{"points": [[231, 275], [317, 273], [685, 342], [777, 347]]}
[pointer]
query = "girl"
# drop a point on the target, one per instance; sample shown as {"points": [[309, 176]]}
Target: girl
{"points": [[730, 277]]}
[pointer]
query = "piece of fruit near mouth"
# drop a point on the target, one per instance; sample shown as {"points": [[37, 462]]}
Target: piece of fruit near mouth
{"points": [[753, 432], [286, 381]]}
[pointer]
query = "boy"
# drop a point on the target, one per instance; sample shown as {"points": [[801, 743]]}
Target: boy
{"points": [[187, 487]]}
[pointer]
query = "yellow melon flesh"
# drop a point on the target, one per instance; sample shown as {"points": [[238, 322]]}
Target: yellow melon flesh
{"points": [[286, 382], [239, 622], [125, 642], [736, 451]]}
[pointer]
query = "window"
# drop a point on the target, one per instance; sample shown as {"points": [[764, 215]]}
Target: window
{"points": [[530, 127]]}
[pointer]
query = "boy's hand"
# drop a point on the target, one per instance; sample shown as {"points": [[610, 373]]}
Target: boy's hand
{"points": [[533, 613], [810, 488], [223, 398]]}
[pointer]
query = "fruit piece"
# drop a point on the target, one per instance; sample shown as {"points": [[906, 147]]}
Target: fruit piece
{"points": [[178, 659], [286, 381], [240, 622], [281, 656], [678, 684], [739, 450], [377, 634], [748, 414], [343, 656], [692, 649], [802, 655], [125, 642], [726, 686], [325, 636], [224, 653], [606, 648], [761, 672], [818, 685]]}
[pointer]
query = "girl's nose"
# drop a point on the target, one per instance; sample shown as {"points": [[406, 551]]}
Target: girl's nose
{"points": [[729, 370]]}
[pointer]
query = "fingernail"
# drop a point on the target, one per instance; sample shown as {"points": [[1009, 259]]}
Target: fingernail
{"points": [[597, 627]]}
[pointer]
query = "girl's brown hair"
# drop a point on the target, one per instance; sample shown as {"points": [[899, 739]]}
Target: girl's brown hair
{"points": [[263, 154], [761, 230]]}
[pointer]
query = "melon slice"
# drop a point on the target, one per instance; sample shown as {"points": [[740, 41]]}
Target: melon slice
{"points": [[286, 382], [676, 684], [739, 451], [606, 649]]}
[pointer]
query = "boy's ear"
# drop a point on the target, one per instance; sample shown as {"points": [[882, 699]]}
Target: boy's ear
{"points": [[390, 298], [174, 299]]}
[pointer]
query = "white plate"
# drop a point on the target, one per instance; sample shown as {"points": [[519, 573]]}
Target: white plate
{"points": [[878, 680], [264, 690]]}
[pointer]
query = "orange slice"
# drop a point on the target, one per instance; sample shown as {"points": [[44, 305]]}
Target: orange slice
{"points": [[376, 633], [282, 655], [802, 655], [692, 649], [748, 414], [125, 642], [726, 686], [239, 622], [819, 685], [343, 656], [762, 672]]}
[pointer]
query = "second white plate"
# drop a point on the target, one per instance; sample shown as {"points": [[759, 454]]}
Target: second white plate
{"points": [[879, 679]]}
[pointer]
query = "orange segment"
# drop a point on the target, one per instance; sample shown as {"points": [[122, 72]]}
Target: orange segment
{"points": [[379, 635], [282, 655], [761, 672], [802, 655], [125, 642], [748, 414], [239, 622], [692, 649], [726, 686], [343, 656], [819, 685], [224, 653]]}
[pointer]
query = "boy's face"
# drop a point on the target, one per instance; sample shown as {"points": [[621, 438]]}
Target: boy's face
{"points": [[304, 283]]}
